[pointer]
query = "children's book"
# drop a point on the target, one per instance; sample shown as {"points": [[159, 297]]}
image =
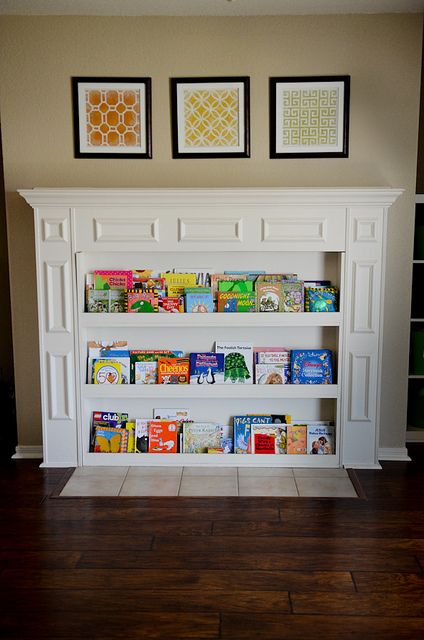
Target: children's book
{"points": [[152, 355], [110, 440], [89, 286], [311, 366], [101, 419], [141, 435], [268, 297], [123, 357], [233, 302], [163, 436], [271, 355], [107, 372], [264, 438], [147, 285], [296, 439], [198, 437], [146, 372], [281, 438], [321, 299], [236, 286], [171, 305], [320, 439], [277, 373], [250, 275], [216, 278], [177, 282], [292, 296], [137, 301], [206, 368], [242, 431], [182, 415], [173, 371], [203, 275], [198, 302], [95, 349], [97, 301], [130, 427], [107, 279], [238, 361], [116, 300]]}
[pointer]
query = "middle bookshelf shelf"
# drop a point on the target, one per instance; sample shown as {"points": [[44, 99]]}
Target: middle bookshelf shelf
{"points": [[180, 320], [253, 392]]}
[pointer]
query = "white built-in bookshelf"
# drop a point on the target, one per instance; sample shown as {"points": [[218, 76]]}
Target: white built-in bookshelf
{"points": [[321, 234]]}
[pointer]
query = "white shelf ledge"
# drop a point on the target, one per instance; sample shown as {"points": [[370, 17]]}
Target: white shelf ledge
{"points": [[208, 459], [189, 320], [251, 391]]}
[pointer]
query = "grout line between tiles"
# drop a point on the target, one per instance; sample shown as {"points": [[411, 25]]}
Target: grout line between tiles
{"points": [[181, 479], [123, 481], [295, 482]]}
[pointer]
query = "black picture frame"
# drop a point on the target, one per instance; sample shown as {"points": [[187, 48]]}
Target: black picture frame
{"points": [[126, 130], [231, 94], [309, 116]]}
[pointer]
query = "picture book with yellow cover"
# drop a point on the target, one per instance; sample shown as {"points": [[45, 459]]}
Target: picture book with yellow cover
{"points": [[110, 440]]}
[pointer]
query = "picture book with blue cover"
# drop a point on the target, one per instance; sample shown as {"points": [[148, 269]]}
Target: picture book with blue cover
{"points": [[243, 431], [311, 366], [201, 302], [206, 368]]}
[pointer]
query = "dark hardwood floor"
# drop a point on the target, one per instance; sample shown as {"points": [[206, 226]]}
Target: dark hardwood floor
{"points": [[230, 568]]}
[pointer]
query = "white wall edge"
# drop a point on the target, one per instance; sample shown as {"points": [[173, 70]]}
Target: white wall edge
{"points": [[398, 454], [27, 452]]}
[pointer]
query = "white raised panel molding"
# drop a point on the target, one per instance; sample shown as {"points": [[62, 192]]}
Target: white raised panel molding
{"points": [[220, 229], [71, 223], [55, 230], [363, 283], [286, 229], [58, 296], [118, 230], [60, 376], [361, 377]]}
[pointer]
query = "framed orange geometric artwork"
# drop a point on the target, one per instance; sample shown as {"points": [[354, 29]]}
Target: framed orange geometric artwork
{"points": [[112, 117], [210, 117]]}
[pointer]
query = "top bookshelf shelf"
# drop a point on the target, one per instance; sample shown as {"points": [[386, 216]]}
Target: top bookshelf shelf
{"points": [[210, 320]]}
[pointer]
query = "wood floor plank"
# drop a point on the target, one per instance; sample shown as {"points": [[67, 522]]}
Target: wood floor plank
{"points": [[111, 624], [370, 581], [291, 561], [178, 578], [44, 559], [148, 600], [296, 544], [358, 604], [75, 542], [311, 627]]}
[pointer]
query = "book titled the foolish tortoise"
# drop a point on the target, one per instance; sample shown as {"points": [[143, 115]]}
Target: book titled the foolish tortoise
{"points": [[238, 361]]}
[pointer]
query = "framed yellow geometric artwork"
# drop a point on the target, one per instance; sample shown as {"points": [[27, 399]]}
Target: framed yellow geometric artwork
{"points": [[112, 117], [309, 117], [210, 117]]}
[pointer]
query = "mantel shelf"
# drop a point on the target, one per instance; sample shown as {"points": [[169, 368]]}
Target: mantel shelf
{"points": [[189, 320], [251, 391]]}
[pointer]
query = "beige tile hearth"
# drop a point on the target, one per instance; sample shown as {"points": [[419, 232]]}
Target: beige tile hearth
{"points": [[208, 482]]}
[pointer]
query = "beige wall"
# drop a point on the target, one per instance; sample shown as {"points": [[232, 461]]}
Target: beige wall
{"points": [[382, 54]]}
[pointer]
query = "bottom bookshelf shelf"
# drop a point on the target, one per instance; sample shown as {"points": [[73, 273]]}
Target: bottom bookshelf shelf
{"points": [[208, 460]]}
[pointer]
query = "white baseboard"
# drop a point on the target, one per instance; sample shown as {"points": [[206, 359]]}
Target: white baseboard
{"points": [[397, 454], [27, 452]]}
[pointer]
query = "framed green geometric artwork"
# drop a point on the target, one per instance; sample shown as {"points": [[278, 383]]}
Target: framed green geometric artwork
{"points": [[309, 117], [210, 117]]}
